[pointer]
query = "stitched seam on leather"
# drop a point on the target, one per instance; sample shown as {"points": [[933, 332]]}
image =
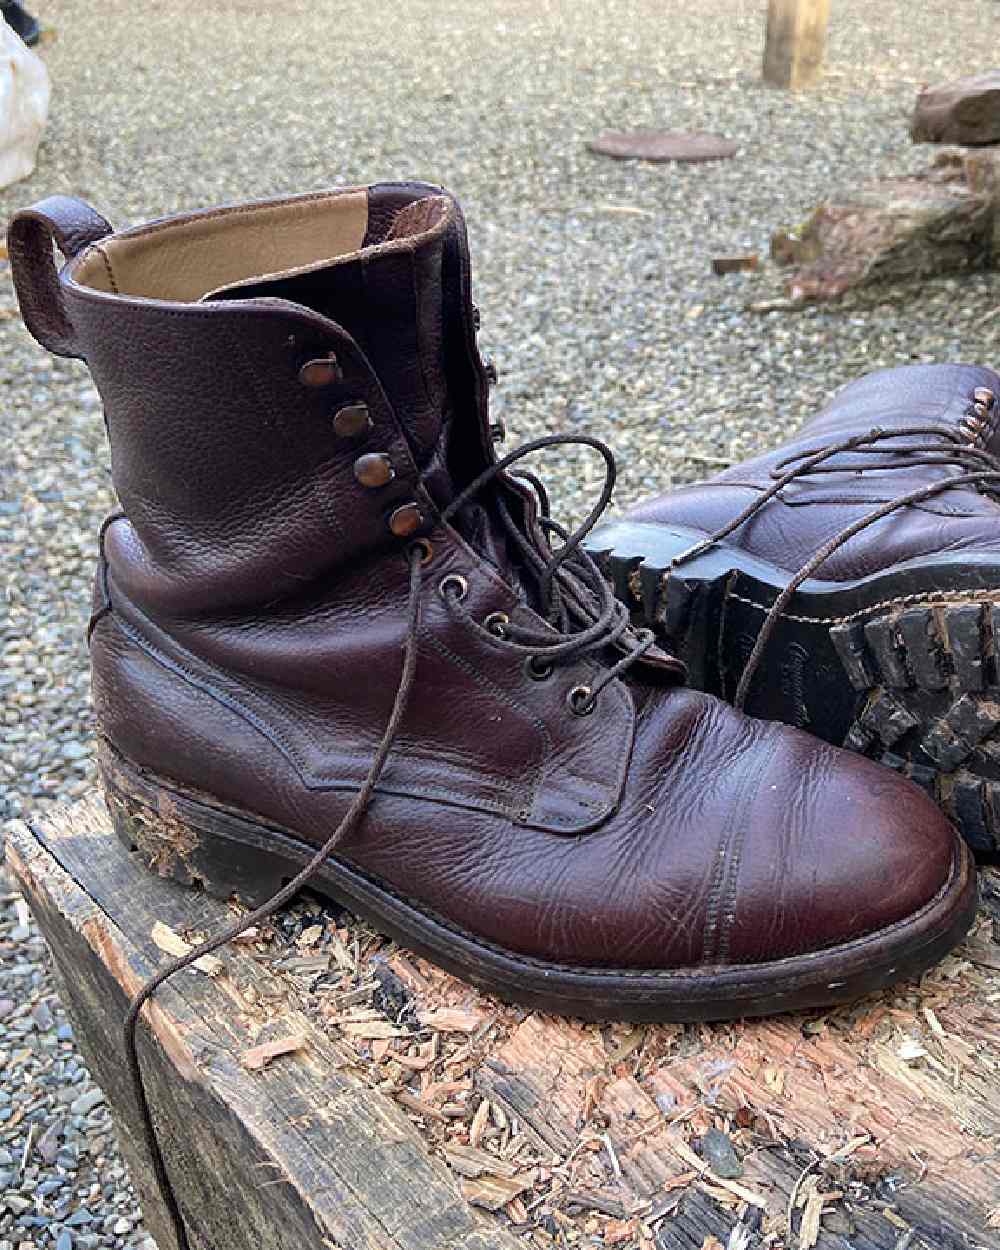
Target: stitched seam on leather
{"points": [[273, 736], [103, 253], [236, 210], [929, 597], [586, 971], [278, 739], [512, 703], [715, 940]]}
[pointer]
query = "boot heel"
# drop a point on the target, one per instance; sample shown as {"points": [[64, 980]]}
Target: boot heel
{"points": [[178, 849]]}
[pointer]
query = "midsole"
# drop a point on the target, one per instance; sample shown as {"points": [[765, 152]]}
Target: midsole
{"points": [[965, 574]]}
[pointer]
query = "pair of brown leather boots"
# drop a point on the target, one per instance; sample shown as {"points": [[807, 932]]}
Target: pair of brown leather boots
{"points": [[335, 639]]}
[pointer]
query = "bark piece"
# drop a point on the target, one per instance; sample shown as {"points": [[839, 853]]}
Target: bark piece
{"points": [[965, 111]]}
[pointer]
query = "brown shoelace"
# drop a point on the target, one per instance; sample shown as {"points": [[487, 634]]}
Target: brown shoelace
{"points": [[585, 618], [977, 467]]}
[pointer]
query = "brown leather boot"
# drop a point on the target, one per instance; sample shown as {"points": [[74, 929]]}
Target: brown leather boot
{"points": [[335, 639], [849, 582]]}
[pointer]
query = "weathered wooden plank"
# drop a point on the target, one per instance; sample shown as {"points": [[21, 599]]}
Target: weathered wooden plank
{"points": [[795, 43], [892, 1106], [301, 1154]]}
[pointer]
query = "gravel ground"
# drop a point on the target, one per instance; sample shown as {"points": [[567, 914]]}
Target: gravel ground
{"points": [[593, 279]]}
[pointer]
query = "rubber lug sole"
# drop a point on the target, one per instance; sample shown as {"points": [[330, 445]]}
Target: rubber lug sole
{"points": [[902, 666], [232, 855]]}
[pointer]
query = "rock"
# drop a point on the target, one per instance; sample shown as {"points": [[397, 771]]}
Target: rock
{"points": [[17, 1204], [87, 1102], [893, 228], [717, 1151], [42, 1016], [65, 1240], [966, 111], [48, 1144]]}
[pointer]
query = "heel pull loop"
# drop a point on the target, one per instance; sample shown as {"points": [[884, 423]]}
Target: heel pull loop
{"points": [[72, 225]]}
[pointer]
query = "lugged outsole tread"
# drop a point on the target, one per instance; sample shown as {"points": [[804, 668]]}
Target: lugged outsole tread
{"points": [[944, 649], [925, 675]]}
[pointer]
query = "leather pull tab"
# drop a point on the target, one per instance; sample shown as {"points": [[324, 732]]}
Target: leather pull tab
{"points": [[71, 225]]}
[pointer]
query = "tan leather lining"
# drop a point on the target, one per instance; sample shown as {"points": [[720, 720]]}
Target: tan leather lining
{"points": [[187, 258]]}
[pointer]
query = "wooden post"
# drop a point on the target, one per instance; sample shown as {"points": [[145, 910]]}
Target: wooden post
{"points": [[403, 1110], [796, 41]]}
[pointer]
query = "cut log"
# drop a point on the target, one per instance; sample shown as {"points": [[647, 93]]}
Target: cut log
{"points": [[322, 1088], [965, 111], [796, 42], [893, 229]]}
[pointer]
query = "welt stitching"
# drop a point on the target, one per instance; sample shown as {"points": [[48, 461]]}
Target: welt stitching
{"points": [[929, 597]]}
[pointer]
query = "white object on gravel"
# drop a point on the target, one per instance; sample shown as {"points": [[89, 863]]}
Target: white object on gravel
{"points": [[24, 106]]}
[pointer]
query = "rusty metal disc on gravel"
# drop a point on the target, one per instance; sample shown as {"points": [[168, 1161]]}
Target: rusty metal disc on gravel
{"points": [[689, 146]]}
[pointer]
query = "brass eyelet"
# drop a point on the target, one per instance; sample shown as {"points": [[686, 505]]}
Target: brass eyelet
{"points": [[581, 700], [453, 586], [537, 669], [323, 371], [496, 624], [426, 550]]}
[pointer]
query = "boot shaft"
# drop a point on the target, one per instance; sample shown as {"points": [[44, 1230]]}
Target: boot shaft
{"points": [[281, 380]]}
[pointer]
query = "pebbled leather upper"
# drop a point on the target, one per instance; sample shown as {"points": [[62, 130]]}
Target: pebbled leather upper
{"points": [[808, 512], [253, 644]]}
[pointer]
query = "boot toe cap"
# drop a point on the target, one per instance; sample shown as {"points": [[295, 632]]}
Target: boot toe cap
{"points": [[854, 850]]}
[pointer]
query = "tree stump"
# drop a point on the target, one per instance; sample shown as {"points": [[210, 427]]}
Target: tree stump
{"points": [[796, 42], [318, 1087]]}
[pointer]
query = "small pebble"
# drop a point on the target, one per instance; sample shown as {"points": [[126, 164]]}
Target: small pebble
{"points": [[718, 1152], [87, 1102]]}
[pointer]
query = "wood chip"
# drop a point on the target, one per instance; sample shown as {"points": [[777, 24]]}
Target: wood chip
{"points": [[473, 1163], [493, 1192], [452, 1020], [406, 972], [734, 264], [516, 1211], [258, 1057], [982, 955], [309, 937], [172, 943], [479, 1120], [370, 1030], [809, 1225], [412, 1103]]}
